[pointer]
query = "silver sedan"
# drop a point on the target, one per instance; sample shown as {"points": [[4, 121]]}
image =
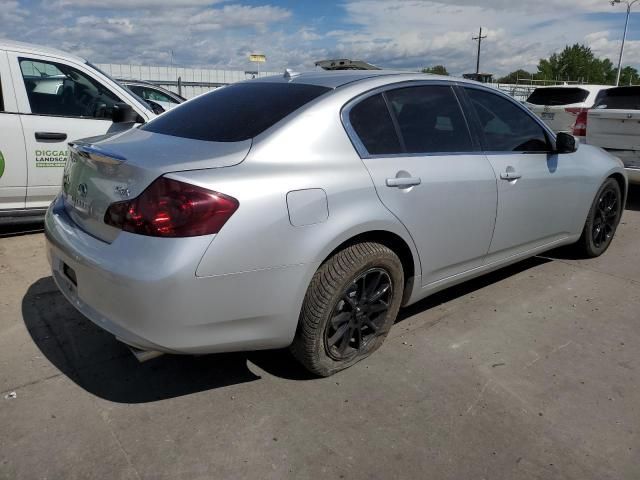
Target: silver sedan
{"points": [[304, 210]]}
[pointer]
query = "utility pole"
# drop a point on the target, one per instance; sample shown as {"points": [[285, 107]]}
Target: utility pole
{"points": [[479, 38]]}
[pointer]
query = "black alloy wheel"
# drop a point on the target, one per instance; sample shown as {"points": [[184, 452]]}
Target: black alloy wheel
{"points": [[359, 314], [602, 221], [606, 218]]}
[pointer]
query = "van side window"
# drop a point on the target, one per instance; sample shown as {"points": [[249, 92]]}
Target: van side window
{"points": [[57, 89]]}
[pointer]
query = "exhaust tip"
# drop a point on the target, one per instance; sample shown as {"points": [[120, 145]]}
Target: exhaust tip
{"points": [[144, 355]]}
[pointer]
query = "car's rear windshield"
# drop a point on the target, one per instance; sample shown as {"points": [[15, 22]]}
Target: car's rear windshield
{"points": [[236, 112], [557, 96], [622, 98]]}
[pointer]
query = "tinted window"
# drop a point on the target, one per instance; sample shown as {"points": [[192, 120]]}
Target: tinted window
{"points": [[623, 98], [430, 119], [235, 113], [558, 96], [1, 101], [57, 89], [372, 122], [506, 126]]}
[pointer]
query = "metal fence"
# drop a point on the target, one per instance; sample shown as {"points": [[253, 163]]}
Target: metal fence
{"points": [[188, 82]]}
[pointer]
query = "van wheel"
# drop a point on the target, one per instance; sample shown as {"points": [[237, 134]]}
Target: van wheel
{"points": [[349, 308], [602, 221]]}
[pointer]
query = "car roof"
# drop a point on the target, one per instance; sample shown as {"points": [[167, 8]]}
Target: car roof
{"points": [[590, 87], [30, 48], [338, 78]]}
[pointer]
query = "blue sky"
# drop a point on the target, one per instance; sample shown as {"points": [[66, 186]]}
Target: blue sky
{"points": [[390, 33]]}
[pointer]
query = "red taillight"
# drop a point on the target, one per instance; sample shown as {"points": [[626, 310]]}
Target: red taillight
{"points": [[580, 127], [169, 208]]}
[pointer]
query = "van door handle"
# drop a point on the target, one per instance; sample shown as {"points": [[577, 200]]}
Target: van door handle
{"points": [[403, 182], [51, 136], [510, 175]]}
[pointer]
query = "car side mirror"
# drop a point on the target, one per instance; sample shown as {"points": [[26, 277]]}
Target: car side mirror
{"points": [[123, 113], [566, 143]]}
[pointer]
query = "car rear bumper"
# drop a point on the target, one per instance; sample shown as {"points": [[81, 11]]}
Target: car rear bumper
{"points": [[144, 291]]}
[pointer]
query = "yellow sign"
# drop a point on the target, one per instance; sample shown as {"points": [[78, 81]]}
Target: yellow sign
{"points": [[257, 58]]}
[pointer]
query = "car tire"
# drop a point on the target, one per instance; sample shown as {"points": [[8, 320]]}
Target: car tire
{"points": [[349, 307], [602, 221]]}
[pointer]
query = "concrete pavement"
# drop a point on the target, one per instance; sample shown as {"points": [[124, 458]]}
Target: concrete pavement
{"points": [[532, 372]]}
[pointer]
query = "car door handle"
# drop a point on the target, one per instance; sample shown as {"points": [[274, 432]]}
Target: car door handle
{"points": [[510, 176], [51, 136], [403, 182]]}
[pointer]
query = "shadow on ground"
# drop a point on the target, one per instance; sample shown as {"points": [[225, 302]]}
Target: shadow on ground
{"points": [[98, 363], [16, 230], [633, 199]]}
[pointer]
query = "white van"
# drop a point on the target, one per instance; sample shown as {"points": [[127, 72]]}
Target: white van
{"points": [[614, 124], [47, 99]]}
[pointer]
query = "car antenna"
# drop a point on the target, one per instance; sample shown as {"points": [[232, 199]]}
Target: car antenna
{"points": [[289, 73]]}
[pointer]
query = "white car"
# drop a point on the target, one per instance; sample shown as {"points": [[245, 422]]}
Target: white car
{"points": [[614, 124], [47, 99], [564, 108]]}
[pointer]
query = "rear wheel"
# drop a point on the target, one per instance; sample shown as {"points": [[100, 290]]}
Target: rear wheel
{"points": [[349, 308], [602, 221]]}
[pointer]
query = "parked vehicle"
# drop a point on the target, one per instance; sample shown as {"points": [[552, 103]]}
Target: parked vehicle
{"points": [[614, 124], [160, 99], [305, 210], [48, 98], [564, 108]]}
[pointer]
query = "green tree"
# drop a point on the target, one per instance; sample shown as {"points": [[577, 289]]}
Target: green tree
{"points": [[577, 63], [514, 77], [629, 76], [436, 70]]}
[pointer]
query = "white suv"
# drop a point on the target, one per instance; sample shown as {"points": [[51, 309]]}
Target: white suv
{"points": [[47, 99], [564, 108]]}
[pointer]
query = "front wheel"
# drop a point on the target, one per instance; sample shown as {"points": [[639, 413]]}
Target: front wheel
{"points": [[349, 308], [602, 221]]}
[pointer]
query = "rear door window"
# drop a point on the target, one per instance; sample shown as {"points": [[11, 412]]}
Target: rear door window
{"points": [[235, 113], [373, 124], [430, 119], [622, 98], [505, 126], [558, 96]]}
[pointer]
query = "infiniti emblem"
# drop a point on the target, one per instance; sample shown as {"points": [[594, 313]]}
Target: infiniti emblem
{"points": [[82, 190], [122, 190]]}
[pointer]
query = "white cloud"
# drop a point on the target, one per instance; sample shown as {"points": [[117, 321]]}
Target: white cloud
{"points": [[132, 4], [416, 33], [390, 33]]}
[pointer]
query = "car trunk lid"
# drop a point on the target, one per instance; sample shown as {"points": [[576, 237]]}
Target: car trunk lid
{"points": [[559, 118], [614, 129], [100, 172]]}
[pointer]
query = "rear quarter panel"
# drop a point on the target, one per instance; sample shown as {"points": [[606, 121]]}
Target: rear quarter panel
{"points": [[308, 151]]}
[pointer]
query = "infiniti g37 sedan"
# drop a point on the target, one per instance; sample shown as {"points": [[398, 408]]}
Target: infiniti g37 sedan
{"points": [[304, 210]]}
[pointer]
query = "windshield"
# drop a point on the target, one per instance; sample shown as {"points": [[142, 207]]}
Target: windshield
{"points": [[234, 113]]}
